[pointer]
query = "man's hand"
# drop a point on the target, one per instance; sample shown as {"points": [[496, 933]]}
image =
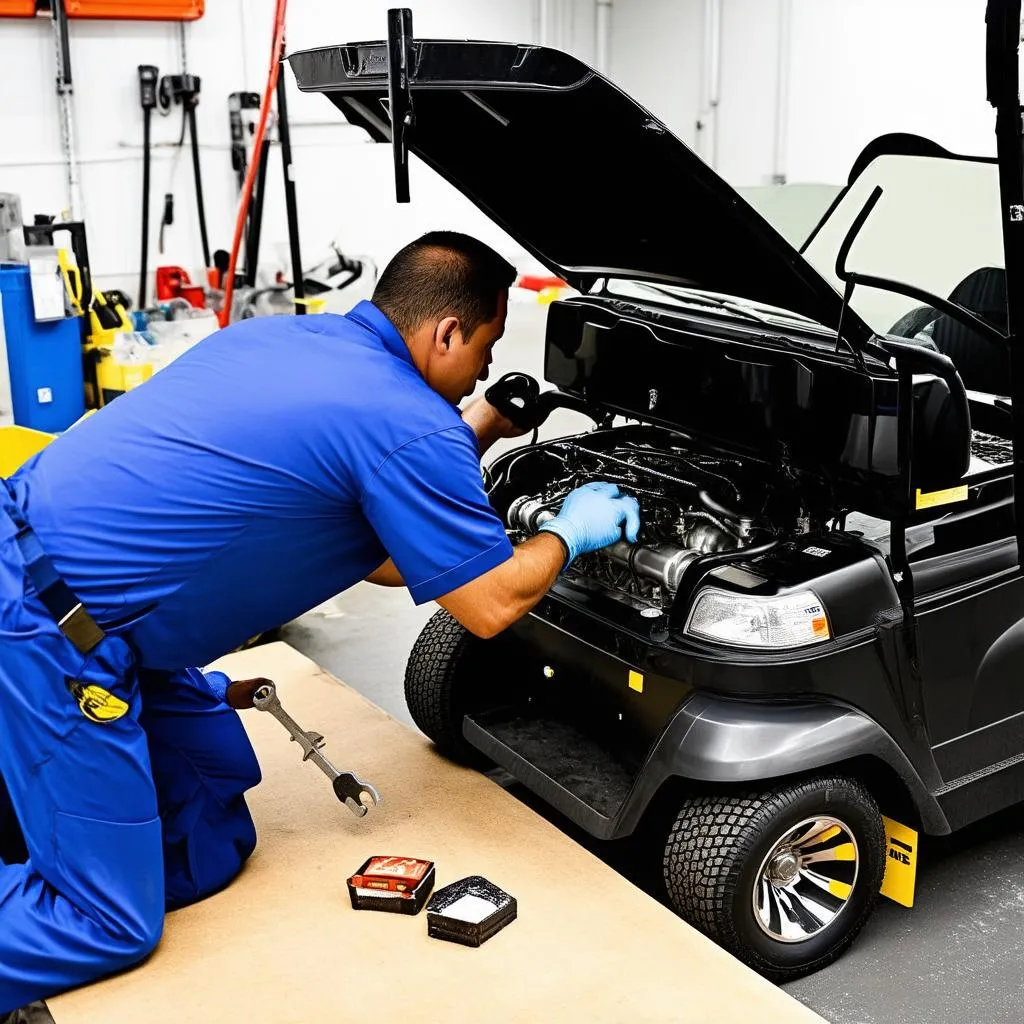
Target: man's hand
{"points": [[239, 694], [591, 517], [488, 424]]}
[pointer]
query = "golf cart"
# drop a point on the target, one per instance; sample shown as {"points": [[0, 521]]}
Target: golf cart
{"points": [[814, 651]]}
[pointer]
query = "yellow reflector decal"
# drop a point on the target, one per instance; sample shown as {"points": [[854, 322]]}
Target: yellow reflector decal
{"points": [[819, 626], [840, 889], [946, 497], [845, 852], [636, 681], [900, 862]]}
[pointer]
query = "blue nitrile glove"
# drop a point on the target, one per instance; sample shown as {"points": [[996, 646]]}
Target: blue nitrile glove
{"points": [[592, 517]]}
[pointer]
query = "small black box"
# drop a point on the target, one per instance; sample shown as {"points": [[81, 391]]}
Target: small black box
{"points": [[410, 901], [469, 911]]}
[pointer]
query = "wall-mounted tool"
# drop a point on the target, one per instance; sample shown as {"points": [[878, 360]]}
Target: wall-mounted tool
{"points": [[184, 89], [148, 79], [242, 128]]}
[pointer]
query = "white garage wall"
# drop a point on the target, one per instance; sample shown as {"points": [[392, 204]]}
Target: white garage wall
{"points": [[864, 67], [656, 53], [857, 69], [344, 184]]}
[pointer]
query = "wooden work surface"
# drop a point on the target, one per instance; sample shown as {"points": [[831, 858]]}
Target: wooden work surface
{"points": [[282, 944]]}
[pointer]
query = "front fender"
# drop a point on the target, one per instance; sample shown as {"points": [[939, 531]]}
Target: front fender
{"points": [[735, 741]]}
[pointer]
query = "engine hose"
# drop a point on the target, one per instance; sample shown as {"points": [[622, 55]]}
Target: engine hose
{"points": [[640, 469], [715, 521], [716, 506], [276, 56]]}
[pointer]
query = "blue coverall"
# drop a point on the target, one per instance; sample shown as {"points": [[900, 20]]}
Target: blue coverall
{"points": [[271, 467]]}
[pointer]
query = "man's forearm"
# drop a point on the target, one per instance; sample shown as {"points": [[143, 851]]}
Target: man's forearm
{"points": [[486, 423], [532, 571], [494, 601]]}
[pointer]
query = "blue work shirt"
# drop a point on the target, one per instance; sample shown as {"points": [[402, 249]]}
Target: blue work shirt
{"points": [[269, 468]]}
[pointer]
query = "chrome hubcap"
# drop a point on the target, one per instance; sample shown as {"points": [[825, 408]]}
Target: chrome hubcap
{"points": [[806, 879]]}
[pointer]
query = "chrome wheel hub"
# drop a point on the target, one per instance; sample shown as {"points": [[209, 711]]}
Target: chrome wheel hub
{"points": [[806, 879]]}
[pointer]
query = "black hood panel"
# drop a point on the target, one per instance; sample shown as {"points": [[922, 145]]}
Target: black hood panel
{"points": [[574, 169], [825, 419]]}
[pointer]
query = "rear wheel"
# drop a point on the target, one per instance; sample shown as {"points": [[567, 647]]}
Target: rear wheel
{"points": [[783, 879], [447, 677]]}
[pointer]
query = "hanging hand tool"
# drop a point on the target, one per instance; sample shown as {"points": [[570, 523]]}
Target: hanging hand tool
{"points": [[348, 788], [65, 95], [148, 77], [184, 89]]}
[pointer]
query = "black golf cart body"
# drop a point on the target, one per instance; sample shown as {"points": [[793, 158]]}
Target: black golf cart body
{"points": [[811, 455]]}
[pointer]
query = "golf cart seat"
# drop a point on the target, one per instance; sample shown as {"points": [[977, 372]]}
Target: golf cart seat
{"points": [[984, 366]]}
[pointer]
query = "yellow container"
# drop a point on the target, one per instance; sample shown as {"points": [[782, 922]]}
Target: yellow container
{"points": [[18, 445], [106, 378]]}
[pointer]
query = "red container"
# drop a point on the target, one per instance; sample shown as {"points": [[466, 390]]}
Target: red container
{"points": [[174, 283]]}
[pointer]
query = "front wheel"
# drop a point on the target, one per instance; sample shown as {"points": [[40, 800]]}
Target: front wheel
{"points": [[784, 879], [449, 675]]}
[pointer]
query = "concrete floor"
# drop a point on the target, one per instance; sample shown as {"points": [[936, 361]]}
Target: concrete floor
{"points": [[956, 958]]}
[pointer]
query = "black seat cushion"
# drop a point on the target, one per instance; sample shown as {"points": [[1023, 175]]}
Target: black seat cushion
{"points": [[983, 365]]}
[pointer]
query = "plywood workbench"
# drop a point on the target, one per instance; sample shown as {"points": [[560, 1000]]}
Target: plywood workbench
{"points": [[282, 944]]}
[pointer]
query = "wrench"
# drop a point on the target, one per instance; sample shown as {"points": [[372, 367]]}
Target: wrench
{"points": [[348, 788]]}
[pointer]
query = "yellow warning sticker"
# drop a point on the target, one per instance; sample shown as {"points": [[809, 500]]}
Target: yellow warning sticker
{"points": [[946, 497], [636, 681], [900, 862]]}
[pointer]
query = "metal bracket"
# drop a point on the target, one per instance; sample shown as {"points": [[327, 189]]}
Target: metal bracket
{"points": [[400, 94]]}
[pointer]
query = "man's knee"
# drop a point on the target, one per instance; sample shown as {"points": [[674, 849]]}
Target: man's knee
{"points": [[113, 873], [138, 937]]}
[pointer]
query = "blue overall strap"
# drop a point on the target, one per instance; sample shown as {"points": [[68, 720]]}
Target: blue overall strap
{"points": [[57, 597]]}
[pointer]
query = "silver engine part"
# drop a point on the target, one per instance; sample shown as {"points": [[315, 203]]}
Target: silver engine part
{"points": [[662, 563]]}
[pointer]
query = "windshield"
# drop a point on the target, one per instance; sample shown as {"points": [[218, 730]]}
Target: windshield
{"points": [[936, 226]]}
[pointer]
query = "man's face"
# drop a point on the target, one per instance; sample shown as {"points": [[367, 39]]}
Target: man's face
{"points": [[463, 361]]}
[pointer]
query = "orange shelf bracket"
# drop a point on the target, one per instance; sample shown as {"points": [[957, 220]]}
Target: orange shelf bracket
{"points": [[124, 10], [17, 8]]}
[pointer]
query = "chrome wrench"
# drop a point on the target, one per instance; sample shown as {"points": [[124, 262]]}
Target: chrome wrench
{"points": [[348, 788]]}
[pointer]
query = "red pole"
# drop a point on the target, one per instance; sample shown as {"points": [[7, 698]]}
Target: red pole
{"points": [[276, 56]]}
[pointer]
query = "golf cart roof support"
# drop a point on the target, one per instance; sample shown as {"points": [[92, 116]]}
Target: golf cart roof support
{"points": [[1002, 19], [400, 94]]}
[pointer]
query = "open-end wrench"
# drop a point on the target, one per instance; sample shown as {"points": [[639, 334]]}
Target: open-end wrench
{"points": [[348, 788]]}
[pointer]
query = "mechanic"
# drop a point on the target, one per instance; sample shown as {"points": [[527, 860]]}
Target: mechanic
{"points": [[271, 467]]}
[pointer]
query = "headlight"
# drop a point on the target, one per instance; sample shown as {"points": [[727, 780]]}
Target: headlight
{"points": [[795, 620]]}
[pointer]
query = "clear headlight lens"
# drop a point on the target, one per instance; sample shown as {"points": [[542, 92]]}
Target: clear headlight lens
{"points": [[795, 620]]}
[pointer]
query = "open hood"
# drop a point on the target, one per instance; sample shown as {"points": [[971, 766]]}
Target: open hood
{"points": [[509, 124]]}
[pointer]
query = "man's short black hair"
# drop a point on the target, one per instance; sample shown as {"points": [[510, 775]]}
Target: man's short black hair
{"points": [[443, 273]]}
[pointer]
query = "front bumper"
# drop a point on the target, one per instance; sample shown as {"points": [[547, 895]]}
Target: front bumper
{"points": [[597, 732]]}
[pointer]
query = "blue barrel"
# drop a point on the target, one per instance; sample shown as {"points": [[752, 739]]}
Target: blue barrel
{"points": [[44, 359]]}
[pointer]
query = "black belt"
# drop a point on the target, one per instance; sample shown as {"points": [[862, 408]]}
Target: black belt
{"points": [[71, 616]]}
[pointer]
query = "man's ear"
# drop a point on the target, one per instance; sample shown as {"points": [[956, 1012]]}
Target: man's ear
{"points": [[446, 331]]}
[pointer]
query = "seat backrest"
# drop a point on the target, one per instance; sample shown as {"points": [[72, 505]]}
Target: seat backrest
{"points": [[982, 364]]}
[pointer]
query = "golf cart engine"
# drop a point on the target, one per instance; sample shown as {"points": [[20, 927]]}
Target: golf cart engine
{"points": [[692, 504]]}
